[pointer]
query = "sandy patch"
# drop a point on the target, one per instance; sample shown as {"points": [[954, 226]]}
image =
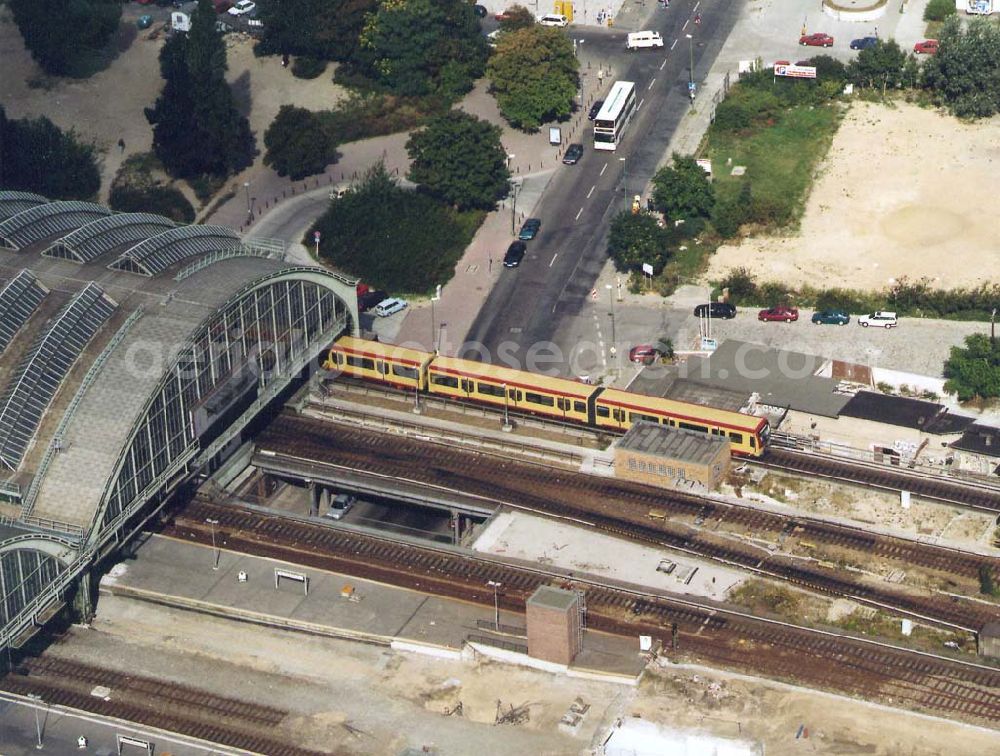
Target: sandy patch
{"points": [[917, 206]]}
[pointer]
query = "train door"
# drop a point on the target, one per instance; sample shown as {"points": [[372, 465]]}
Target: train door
{"points": [[592, 407]]}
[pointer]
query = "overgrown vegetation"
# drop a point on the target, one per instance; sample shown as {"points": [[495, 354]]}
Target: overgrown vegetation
{"points": [[137, 189], [393, 238], [964, 74], [306, 67], [38, 156], [762, 596], [939, 10], [973, 371]]}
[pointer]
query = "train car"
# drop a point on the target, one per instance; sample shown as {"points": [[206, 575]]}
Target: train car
{"points": [[747, 434], [526, 392], [386, 363]]}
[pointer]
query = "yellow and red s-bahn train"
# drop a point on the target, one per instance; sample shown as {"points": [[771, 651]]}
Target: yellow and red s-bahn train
{"points": [[558, 398]]}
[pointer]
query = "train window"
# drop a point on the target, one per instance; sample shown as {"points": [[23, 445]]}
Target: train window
{"points": [[336, 358], [603, 412], [444, 380], [619, 415], [405, 372], [691, 426], [564, 404], [718, 432], [466, 385], [383, 367], [673, 423], [736, 438], [488, 389], [635, 416], [545, 401], [361, 362], [580, 407]]}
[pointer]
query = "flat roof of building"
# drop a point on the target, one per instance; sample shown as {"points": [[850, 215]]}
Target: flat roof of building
{"points": [[779, 377], [552, 598], [672, 443], [905, 412], [663, 381]]}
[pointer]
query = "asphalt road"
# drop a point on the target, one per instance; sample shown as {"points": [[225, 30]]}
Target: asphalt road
{"points": [[528, 305]]}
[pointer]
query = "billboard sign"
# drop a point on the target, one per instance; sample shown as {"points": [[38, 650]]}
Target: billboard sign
{"points": [[795, 72]]}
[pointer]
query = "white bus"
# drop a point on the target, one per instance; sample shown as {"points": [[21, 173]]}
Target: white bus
{"points": [[614, 115]]}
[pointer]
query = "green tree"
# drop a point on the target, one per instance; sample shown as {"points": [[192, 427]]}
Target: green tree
{"points": [[460, 159], [683, 190], [38, 156], [324, 29], [964, 74], [879, 67], [974, 370], [196, 127], [299, 143], [136, 189], [637, 238], [939, 10], [66, 37], [533, 74], [518, 17], [423, 47]]}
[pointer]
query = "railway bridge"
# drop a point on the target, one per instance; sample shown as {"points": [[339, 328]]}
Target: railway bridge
{"points": [[134, 353]]}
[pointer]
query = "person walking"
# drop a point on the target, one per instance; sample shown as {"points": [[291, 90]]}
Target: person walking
{"points": [[121, 145]]}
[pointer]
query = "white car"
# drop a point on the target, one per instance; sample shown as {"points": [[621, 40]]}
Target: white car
{"points": [[242, 7], [553, 19], [879, 318], [340, 506], [390, 306]]}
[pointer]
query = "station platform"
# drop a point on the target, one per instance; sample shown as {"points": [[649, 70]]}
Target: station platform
{"points": [[182, 575]]}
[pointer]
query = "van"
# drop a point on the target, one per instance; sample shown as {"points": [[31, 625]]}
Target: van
{"points": [[642, 40], [390, 306], [553, 19]]}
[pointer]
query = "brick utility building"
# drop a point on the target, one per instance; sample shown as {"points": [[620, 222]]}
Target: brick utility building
{"points": [[667, 457], [989, 640], [553, 619]]}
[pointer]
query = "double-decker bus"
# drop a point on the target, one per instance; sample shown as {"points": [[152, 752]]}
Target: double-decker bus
{"points": [[617, 111]]}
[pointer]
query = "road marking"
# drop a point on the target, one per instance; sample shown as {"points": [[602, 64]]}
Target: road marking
{"points": [[651, 85], [672, 47], [578, 214], [604, 169], [557, 254], [593, 188], [640, 103], [695, 8], [665, 60], [685, 24]]}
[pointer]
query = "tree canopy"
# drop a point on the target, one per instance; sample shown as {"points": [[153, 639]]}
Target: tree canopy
{"points": [[299, 143], [459, 158], [422, 47], [196, 127], [533, 73], [517, 17], [324, 29], [881, 66], [964, 74], [973, 371], [65, 37], [393, 238], [683, 190], [38, 156], [637, 238]]}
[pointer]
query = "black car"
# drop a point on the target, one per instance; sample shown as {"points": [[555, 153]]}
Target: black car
{"points": [[715, 310], [529, 229], [515, 253], [371, 298], [595, 109], [479, 10], [573, 153], [863, 43]]}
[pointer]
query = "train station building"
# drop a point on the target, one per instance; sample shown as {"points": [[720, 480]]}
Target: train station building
{"points": [[134, 352]]}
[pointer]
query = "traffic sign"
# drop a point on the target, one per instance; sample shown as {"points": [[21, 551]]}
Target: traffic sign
{"points": [[690, 86], [316, 236]]}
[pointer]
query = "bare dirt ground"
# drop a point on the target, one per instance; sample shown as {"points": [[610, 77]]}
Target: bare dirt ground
{"points": [[918, 206], [109, 105], [336, 689]]}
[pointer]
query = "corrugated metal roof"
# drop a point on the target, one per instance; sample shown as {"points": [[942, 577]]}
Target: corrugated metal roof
{"points": [[671, 443]]}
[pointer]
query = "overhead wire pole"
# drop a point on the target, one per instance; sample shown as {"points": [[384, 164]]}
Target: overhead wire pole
{"points": [[691, 67]]}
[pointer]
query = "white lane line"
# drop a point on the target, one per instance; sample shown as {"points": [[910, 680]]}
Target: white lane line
{"points": [[640, 103], [592, 188], [665, 60], [695, 8], [553, 259], [672, 47], [685, 24], [651, 85], [578, 214], [604, 169]]}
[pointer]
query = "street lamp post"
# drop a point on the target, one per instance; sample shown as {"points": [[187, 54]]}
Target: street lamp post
{"points": [[435, 298], [246, 188], [215, 549], [506, 427], [514, 187], [611, 298], [38, 725], [691, 68], [496, 601]]}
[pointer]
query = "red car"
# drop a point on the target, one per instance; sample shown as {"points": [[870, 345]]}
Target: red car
{"points": [[644, 353], [816, 40], [927, 47], [779, 313], [502, 16]]}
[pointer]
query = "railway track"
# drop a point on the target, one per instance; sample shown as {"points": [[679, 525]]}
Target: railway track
{"points": [[864, 669], [623, 508], [156, 703]]}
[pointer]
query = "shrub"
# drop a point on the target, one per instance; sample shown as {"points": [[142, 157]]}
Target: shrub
{"points": [[741, 284], [986, 584], [939, 10], [167, 201], [299, 143], [305, 67]]}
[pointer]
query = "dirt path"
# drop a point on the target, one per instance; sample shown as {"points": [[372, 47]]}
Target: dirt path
{"points": [[904, 191]]}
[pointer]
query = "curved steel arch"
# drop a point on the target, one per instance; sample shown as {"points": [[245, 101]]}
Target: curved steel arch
{"points": [[83, 245], [51, 545]]}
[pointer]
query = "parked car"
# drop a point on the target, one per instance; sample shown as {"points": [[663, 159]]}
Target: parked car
{"points": [[879, 318], [369, 299], [553, 19], [927, 47], [863, 43], [144, 21], [480, 11], [816, 40], [646, 354], [242, 7], [529, 229], [573, 154], [502, 15], [781, 313], [831, 317], [595, 109], [716, 310], [515, 253], [390, 306], [340, 506]]}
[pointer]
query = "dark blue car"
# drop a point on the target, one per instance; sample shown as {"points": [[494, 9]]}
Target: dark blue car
{"points": [[863, 43]]}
